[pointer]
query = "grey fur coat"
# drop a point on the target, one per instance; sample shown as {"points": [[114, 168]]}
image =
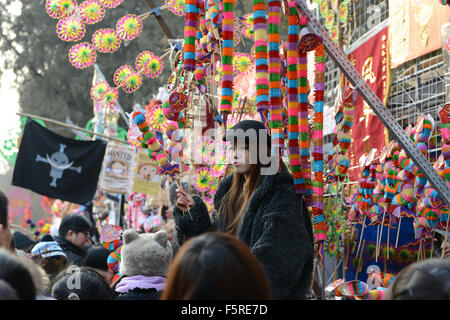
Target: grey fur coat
{"points": [[276, 227]]}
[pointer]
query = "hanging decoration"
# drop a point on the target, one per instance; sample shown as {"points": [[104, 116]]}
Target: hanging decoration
{"points": [[242, 63], [106, 40], [129, 27], [121, 74], [91, 11], [70, 29], [149, 64], [176, 7], [58, 9], [82, 55], [111, 4]]}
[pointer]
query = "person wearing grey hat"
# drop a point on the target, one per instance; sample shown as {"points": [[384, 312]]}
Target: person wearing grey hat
{"points": [[257, 204]]}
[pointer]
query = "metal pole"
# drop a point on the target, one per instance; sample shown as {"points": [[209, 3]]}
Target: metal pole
{"points": [[377, 106]]}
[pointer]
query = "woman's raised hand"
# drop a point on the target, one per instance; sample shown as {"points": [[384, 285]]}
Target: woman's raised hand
{"points": [[184, 200]]}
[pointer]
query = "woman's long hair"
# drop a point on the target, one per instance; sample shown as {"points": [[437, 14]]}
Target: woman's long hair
{"points": [[235, 201], [216, 266]]}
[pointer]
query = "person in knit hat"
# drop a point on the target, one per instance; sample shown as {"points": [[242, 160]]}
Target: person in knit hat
{"points": [[23, 242], [52, 257], [145, 260]]}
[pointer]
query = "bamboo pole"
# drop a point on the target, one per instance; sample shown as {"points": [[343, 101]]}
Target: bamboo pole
{"points": [[398, 231], [62, 124]]}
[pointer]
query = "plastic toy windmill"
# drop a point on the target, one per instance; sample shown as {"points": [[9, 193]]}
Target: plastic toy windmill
{"points": [[106, 40], [102, 92], [149, 64], [127, 78], [92, 11], [202, 180], [70, 29], [156, 118], [176, 7], [58, 9], [111, 4], [121, 74], [242, 63], [82, 55], [129, 27]]}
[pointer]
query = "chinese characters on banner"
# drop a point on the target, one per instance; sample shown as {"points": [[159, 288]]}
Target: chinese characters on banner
{"points": [[371, 60], [415, 28], [146, 177], [117, 170]]}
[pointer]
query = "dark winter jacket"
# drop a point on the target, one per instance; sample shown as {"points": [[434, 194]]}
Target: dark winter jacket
{"points": [[74, 254], [276, 226]]}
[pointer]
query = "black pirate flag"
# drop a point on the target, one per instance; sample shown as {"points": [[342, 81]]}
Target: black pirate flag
{"points": [[56, 166]]}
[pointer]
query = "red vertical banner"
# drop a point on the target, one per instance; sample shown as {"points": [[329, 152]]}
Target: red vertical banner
{"points": [[371, 60]]}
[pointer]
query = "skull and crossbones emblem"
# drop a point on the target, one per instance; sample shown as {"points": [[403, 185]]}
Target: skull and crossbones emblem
{"points": [[58, 162]]}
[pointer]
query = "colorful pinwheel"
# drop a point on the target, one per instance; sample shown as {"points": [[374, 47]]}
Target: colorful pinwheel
{"points": [[132, 82], [343, 12], [92, 11], [209, 203], [58, 9], [202, 180], [129, 27], [204, 153], [329, 20], [111, 4], [149, 64], [156, 119], [110, 97], [121, 74], [248, 30], [176, 7], [98, 90], [82, 55], [242, 63], [70, 29], [106, 40], [323, 6]]}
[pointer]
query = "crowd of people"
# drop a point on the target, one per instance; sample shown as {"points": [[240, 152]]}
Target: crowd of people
{"points": [[258, 246]]}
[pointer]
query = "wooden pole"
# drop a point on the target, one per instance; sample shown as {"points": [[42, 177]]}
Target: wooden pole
{"points": [[161, 21], [398, 231], [362, 233], [358, 268], [62, 124]]}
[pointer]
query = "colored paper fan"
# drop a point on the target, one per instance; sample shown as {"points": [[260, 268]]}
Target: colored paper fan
{"points": [[129, 27], [121, 74], [156, 119], [323, 7], [354, 288], [237, 36], [110, 98], [176, 7], [248, 20], [82, 55], [202, 180], [92, 11], [329, 20], [58, 9], [248, 30], [343, 12], [111, 4], [70, 29], [99, 90], [149, 64], [132, 82], [242, 63], [106, 40]]}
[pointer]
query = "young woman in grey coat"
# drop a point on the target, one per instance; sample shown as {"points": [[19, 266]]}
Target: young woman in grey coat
{"points": [[261, 210]]}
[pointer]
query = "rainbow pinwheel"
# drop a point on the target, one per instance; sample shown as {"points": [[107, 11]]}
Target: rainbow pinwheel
{"points": [[176, 7], [202, 180], [106, 40], [92, 11], [82, 55], [156, 119], [110, 97], [70, 29], [329, 20], [323, 6], [343, 12], [121, 74], [132, 82], [129, 27], [242, 63], [204, 153], [149, 64], [111, 4], [58, 9]]}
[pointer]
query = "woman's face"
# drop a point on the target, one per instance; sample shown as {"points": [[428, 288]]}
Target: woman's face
{"points": [[241, 158]]}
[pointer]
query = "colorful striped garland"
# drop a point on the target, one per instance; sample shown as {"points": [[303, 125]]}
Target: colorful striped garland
{"points": [[292, 98], [317, 140], [276, 117], [261, 54], [190, 34], [226, 102]]}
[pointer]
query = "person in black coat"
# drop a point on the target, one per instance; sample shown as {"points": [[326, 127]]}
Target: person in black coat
{"points": [[73, 236], [263, 210]]}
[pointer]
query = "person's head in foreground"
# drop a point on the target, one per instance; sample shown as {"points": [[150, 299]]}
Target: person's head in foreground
{"points": [[5, 232], [82, 284], [216, 266], [425, 280]]}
